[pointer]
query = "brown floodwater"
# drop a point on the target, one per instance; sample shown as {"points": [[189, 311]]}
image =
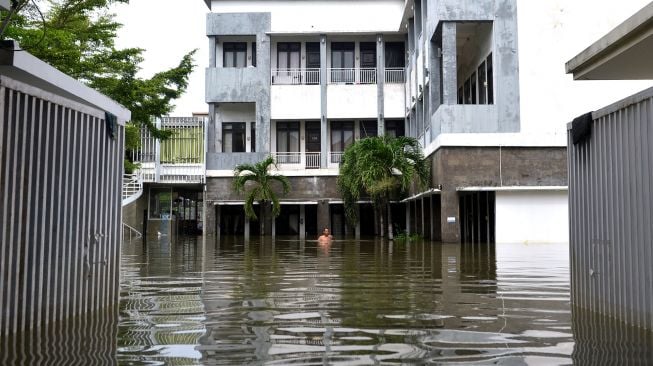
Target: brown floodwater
{"points": [[286, 302]]}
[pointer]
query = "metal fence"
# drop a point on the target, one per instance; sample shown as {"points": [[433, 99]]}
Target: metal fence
{"points": [[611, 212]]}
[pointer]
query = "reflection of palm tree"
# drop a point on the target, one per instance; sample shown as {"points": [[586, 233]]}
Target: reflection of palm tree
{"points": [[378, 167], [259, 178]]}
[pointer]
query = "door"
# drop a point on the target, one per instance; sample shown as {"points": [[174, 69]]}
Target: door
{"points": [[342, 62], [288, 63], [313, 144]]}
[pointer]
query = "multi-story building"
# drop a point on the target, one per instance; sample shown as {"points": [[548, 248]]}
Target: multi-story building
{"points": [[302, 80]]}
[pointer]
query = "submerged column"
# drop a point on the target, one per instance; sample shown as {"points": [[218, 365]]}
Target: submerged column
{"points": [[450, 217]]}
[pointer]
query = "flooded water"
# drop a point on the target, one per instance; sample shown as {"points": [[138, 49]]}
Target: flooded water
{"points": [[358, 303]]}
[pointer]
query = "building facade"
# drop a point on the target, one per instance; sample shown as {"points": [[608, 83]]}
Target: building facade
{"points": [[302, 80]]}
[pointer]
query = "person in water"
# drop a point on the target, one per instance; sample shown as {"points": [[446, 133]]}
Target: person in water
{"points": [[325, 237]]}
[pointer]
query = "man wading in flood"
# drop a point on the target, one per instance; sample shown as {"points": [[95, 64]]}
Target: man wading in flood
{"points": [[325, 238]]}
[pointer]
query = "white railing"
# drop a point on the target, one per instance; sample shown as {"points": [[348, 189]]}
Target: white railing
{"points": [[342, 76], [181, 173], [132, 188], [295, 76], [336, 157], [131, 232], [297, 160], [395, 76], [313, 160], [367, 76]]}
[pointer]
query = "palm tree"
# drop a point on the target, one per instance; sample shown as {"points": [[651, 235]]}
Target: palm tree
{"points": [[380, 167], [256, 181]]}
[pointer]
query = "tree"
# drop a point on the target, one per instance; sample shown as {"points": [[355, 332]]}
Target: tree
{"points": [[381, 168], [255, 180], [77, 37]]}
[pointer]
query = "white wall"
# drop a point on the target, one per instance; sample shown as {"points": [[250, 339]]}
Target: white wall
{"points": [[322, 16], [352, 101], [394, 105], [295, 102], [532, 217]]}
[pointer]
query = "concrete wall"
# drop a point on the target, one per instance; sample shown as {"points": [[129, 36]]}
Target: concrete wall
{"points": [[132, 214], [60, 220], [296, 102], [532, 217], [352, 101], [611, 213], [460, 167]]}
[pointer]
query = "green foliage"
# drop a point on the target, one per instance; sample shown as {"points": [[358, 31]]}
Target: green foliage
{"points": [[77, 37], [255, 181], [130, 166], [132, 136], [404, 237], [380, 167]]}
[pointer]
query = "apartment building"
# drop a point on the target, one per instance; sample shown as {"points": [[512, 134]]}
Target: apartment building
{"points": [[302, 80]]}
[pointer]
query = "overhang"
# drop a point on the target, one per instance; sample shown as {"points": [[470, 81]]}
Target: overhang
{"points": [[623, 54], [25, 68]]}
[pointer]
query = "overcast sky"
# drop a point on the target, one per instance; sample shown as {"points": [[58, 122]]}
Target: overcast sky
{"points": [[550, 33]]}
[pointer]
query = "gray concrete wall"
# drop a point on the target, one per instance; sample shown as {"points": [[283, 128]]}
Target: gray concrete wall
{"points": [[458, 167], [611, 213], [60, 217], [132, 214], [240, 85]]}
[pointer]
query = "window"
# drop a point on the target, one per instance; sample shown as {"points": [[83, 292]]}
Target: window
{"points": [[288, 55], [287, 137], [368, 54], [342, 135], [490, 80], [482, 84], [313, 60], [254, 54], [394, 128], [235, 54], [395, 55], [160, 203], [369, 129], [252, 137], [342, 62], [233, 137]]}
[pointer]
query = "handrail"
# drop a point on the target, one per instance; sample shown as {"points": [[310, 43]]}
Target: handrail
{"points": [[132, 188], [295, 76], [137, 234]]}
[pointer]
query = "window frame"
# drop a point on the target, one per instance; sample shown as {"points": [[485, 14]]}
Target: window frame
{"points": [[234, 48], [232, 129]]}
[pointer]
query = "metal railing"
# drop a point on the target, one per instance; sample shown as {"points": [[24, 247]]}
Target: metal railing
{"points": [[297, 160], [295, 76], [367, 76], [181, 173], [395, 76], [336, 157], [131, 232], [352, 76], [132, 188]]}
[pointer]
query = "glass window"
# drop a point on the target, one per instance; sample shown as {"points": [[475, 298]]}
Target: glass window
{"points": [[490, 80], [233, 137], [160, 203], [313, 60], [368, 54], [369, 129], [287, 136], [394, 128], [342, 135], [288, 55], [342, 61], [482, 84], [395, 55], [235, 54]]}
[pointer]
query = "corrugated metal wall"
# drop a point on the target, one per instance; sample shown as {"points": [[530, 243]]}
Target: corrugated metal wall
{"points": [[611, 213], [60, 213]]}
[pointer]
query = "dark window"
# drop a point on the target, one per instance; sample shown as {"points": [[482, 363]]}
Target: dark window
{"points": [[394, 128], [252, 142], [482, 84], [253, 53], [395, 55], [288, 55], [468, 91], [235, 54], [313, 136], [342, 135], [313, 60], [287, 137], [473, 91], [342, 62], [369, 129], [233, 137], [368, 54], [461, 96], [490, 80]]}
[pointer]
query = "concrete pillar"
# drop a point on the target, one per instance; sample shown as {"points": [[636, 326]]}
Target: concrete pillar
{"points": [[449, 64], [380, 83], [273, 227], [432, 218], [218, 218], [323, 216], [324, 137], [423, 228], [210, 223], [212, 53], [358, 222], [247, 231], [450, 209], [302, 222], [408, 218]]}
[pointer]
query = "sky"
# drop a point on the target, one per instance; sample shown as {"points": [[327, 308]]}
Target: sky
{"points": [[551, 32]]}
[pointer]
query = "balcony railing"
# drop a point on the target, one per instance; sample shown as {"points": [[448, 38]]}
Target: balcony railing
{"points": [[295, 76], [297, 160], [395, 76], [352, 76], [336, 157], [172, 173]]}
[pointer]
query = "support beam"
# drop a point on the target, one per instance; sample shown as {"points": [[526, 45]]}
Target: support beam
{"points": [[380, 83], [450, 209], [323, 103]]}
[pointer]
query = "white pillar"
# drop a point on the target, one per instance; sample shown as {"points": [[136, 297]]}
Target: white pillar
{"points": [[302, 222]]}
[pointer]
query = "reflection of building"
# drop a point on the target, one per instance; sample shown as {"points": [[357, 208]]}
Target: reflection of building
{"points": [[611, 161], [302, 80], [172, 174]]}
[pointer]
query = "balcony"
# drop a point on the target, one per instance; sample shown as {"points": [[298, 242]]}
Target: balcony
{"points": [[295, 77], [297, 160], [395, 76]]}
